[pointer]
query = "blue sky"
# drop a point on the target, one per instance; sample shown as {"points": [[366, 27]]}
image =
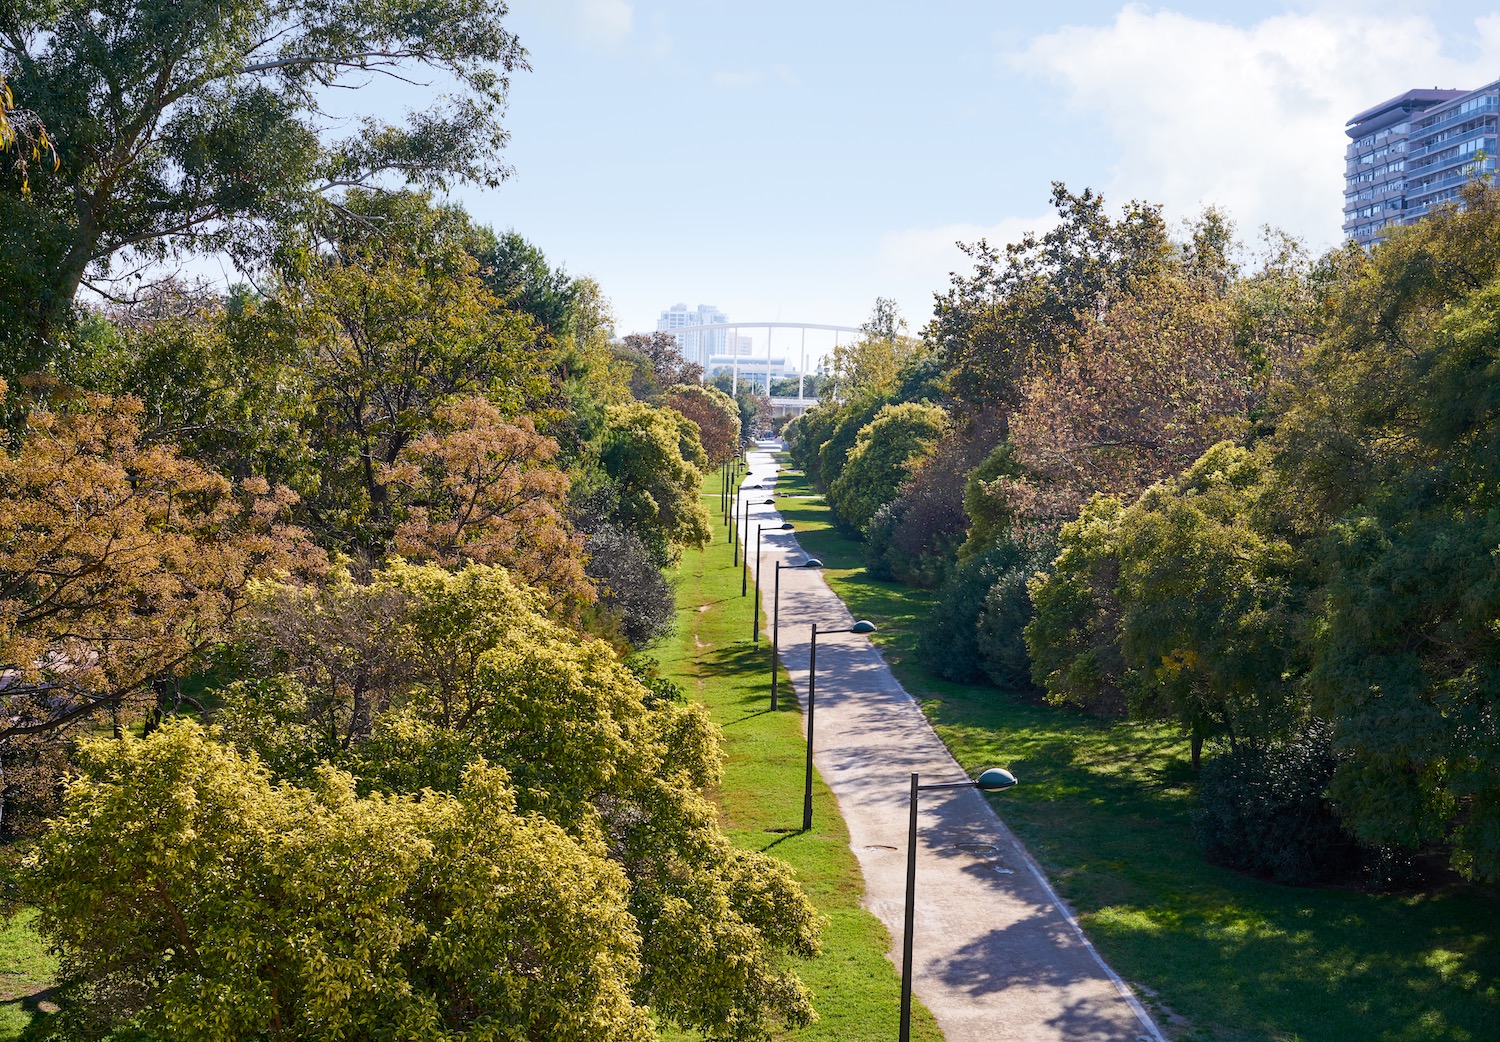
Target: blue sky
{"points": [[792, 161]]}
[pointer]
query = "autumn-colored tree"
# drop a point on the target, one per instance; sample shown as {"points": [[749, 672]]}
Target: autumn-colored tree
{"points": [[717, 417], [476, 489], [193, 898], [1136, 397], [119, 563], [485, 674]]}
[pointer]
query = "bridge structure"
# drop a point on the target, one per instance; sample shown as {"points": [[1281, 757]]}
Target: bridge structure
{"points": [[755, 370]]}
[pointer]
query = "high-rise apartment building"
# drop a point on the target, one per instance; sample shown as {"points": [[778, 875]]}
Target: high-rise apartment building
{"points": [[1414, 152], [698, 346]]}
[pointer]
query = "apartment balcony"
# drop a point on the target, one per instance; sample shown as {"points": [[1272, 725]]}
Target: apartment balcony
{"points": [[1490, 104], [1484, 128]]}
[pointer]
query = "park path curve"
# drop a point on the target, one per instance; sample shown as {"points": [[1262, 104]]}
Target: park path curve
{"points": [[998, 957]]}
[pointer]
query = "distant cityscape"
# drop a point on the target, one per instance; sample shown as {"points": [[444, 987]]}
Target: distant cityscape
{"points": [[720, 350]]}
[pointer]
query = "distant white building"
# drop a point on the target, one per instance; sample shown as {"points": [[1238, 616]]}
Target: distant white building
{"points": [[700, 346]]}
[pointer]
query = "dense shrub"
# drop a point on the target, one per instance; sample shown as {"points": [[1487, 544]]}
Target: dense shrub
{"points": [[1262, 809], [631, 586], [948, 644], [1001, 636], [879, 547], [851, 418], [884, 453], [933, 522]]}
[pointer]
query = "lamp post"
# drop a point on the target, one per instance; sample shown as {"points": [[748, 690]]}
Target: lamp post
{"points": [[862, 626], [993, 780], [734, 557], [811, 562], [745, 551], [785, 526]]}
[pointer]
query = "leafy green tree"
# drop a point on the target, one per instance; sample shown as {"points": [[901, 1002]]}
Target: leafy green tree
{"points": [[1211, 591], [195, 126], [1391, 442], [1074, 637], [884, 454], [386, 331], [652, 458], [851, 417], [518, 273], [873, 364], [478, 672], [192, 897]]}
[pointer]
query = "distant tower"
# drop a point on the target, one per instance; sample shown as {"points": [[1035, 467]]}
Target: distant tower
{"points": [[696, 347], [1414, 152]]}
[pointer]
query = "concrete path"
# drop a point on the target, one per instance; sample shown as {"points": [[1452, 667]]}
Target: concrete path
{"points": [[997, 956]]}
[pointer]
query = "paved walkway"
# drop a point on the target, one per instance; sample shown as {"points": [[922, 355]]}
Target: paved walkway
{"points": [[997, 957]]}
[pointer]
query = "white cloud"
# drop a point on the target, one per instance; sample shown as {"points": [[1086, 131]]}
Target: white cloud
{"points": [[1250, 119], [776, 76], [926, 256], [600, 23]]}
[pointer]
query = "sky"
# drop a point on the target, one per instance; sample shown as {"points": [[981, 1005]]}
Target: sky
{"points": [[792, 161]]}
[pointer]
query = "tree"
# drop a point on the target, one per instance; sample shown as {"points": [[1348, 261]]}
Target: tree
{"points": [[658, 362], [200, 126], [884, 455], [717, 417], [585, 745], [1211, 591], [1390, 442], [1141, 393], [388, 330], [1020, 304], [22, 131], [518, 273], [119, 563], [652, 458], [476, 489], [193, 898], [872, 364]]}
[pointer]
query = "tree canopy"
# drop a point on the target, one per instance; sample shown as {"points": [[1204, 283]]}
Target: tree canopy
{"points": [[198, 126]]}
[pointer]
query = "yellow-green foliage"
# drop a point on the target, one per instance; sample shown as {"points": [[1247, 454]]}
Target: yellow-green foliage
{"points": [[654, 457], [465, 667], [883, 456], [195, 898]]}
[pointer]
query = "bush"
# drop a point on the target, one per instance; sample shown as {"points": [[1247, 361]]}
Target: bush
{"points": [[1001, 638], [1262, 809], [879, 547], [884, 453], [948, 644], [631, 586]]}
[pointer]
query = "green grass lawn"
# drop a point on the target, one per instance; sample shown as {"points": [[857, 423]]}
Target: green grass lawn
{"points": [[855, 987], [26, 977], [1106, 806]]}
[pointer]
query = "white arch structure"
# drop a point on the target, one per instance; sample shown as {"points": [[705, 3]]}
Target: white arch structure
{"points": [[734, 329]]}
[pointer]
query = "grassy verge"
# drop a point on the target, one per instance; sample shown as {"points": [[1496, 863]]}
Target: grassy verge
{"points": [[856, 989], [1106, 807], [27, 970]]}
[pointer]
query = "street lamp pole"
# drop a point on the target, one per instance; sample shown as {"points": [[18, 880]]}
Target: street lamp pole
{"points": [[785, 526], [734, 557], [811, 562], [745, 552], [993, 780], [862, 626]]}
